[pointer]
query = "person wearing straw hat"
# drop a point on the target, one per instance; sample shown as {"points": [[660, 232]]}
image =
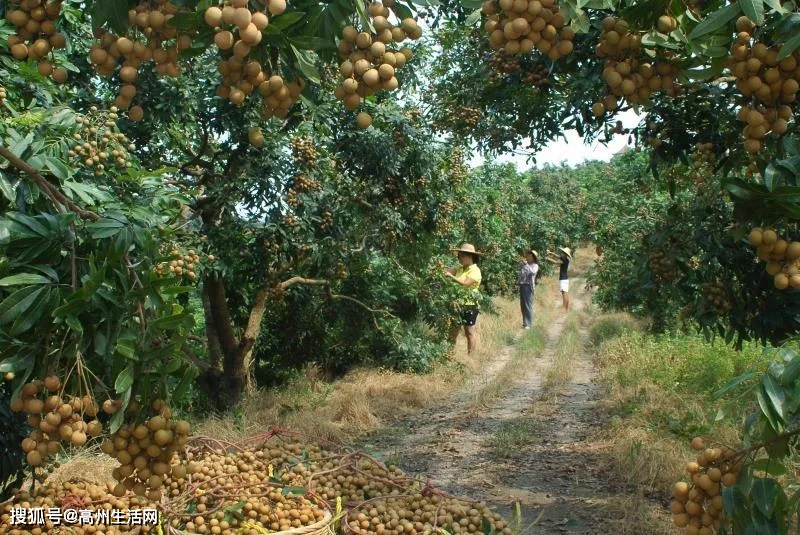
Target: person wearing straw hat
{"points": [[528, 269], [468, 276], [563, 258]]}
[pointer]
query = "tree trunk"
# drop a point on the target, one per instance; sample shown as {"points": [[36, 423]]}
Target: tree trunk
{"points": [[250, 335], [226, 389]]}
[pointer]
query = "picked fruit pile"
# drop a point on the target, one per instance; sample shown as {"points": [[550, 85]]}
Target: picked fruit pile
{"points": [[782, 256], [425, 511], [698, 504], [75, 496], [520, 26], [770, 85], [270, 483], [37, 36], [369, 64]]}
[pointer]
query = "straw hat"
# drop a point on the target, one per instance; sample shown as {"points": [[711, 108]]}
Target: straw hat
{"points": [[533, 251], [566, 251], [467, 248]]}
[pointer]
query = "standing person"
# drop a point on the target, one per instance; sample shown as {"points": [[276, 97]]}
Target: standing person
{"points": [[563, 258], [468, 276], [528, 269]]}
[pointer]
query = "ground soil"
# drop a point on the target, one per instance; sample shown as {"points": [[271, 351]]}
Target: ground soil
{"points": [[561, 477]]}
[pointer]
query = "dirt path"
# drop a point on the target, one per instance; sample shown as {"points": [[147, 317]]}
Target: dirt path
{"points": [[558, 474]]}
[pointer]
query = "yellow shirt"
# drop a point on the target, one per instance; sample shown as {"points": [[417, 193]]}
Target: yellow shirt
{"points": [[470, 294]]}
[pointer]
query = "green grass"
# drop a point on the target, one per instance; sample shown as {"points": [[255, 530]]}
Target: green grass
{"points": [[610, 326], [513, 435]]}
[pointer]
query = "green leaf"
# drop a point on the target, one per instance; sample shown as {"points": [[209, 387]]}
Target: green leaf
{"points": [[473, 18], [74, 324], [127, 348], [27, 320], [7, 188], [297, 491], [170, 322], [770, 466], [287, 19], [24, 278], [776, 394], [775, 5], [124, 380], [789, 47], [754, 9], [57, 167], [472, 4], [187, 379], [766, 409], [172, 366], [716, 20], [765, 495], [306, 66], [18, 303], [17, 363], [116, 421]]}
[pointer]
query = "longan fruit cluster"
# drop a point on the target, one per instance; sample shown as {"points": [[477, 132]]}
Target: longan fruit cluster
{"points": [[77, 495], [55, 418], [782, 256], [145, 452], [150, 37], [369, 64], [420, 513], [303, 151], [628, 74], [771, 84], [182, 264], [697, 505], [2, 94], [703, 159], [238, 30], [255, 136], [520, 26], [99, 145], [37, 36], [716, 297], [302, 184], [663, 266]]}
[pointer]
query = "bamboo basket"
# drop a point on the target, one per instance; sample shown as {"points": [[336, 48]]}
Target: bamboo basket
{"points": [[350, 463], [346, 528]]}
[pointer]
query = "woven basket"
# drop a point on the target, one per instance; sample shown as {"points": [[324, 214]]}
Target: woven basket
{"points": [[350, 463], [322, 527], [347, 529]]}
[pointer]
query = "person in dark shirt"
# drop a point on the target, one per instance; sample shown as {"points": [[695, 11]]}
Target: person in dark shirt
{"points": [[563, 258]]}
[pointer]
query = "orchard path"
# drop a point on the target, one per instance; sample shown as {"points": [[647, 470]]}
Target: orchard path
{"points": [[560, 476]]}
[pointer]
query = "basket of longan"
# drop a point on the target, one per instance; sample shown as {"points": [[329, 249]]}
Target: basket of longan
{"points": [[237, 489], [424, 511], [356, 477]]}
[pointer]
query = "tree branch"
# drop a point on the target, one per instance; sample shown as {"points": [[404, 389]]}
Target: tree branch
{"points": [[56, 197]]}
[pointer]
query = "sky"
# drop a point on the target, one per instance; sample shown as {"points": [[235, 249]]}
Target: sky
{"points": [[571, 150]]}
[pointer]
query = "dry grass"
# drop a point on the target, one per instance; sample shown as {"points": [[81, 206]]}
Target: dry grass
{"points": [[84, 464], [567, 350], [365, 399]]}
